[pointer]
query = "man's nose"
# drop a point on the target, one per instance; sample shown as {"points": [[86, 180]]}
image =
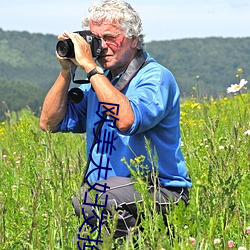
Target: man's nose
{"points": [[104, 44]]}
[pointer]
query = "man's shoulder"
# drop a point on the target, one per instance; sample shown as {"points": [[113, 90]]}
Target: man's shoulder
{"points": [[154, 69]]}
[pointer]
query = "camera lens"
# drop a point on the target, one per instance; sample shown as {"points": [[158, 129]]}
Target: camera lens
{"points": [[75, 95], [65, 48]]}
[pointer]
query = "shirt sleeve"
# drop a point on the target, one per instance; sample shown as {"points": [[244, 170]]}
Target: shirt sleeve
{"points": [[75, 118], [152, 98]]}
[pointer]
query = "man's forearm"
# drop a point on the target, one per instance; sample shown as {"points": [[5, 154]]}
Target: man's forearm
{"points": [[55, 103]]}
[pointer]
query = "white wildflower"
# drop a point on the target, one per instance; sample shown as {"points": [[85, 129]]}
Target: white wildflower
{"points": [[242, 248], [217, 241], [247, 133], [236, 87], [22, 210]]}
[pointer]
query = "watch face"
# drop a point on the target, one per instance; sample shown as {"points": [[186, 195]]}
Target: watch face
{"points": [[99, 70]]}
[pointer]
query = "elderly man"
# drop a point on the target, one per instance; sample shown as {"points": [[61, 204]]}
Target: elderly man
{"points": [[141, 100]]}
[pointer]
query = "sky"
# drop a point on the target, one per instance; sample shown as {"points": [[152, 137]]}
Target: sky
{"points": [[162, 19]]}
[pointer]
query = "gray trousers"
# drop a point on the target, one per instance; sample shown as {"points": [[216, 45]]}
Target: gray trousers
{"points": [[122, 197]]}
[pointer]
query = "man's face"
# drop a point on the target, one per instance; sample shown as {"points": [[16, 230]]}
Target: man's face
{"points": [[118, 50]]}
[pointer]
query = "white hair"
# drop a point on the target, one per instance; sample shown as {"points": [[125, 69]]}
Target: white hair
{"points": [[120, 13]]}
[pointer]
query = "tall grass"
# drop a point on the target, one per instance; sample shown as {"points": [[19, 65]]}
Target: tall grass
{"points": [[40, 172]]}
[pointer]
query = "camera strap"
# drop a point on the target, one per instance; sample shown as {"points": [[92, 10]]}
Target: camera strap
{"points": [[136, 64], [126, 77]]}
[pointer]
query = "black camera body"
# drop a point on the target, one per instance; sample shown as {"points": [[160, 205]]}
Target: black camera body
{"points": [[65, 48]]}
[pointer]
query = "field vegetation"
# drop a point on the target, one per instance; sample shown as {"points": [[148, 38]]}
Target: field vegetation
{"points": [[40, 172]]}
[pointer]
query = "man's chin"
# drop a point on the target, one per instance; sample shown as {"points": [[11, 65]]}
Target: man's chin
{"points": [[105, 63]]}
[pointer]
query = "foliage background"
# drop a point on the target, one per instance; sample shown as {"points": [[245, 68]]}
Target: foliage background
{"points": [[28, 66], [40, 172]]}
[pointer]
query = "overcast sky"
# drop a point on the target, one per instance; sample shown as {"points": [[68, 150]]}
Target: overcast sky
{"points": [[162, 19]]}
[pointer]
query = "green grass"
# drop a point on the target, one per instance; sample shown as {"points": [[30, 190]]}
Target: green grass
{"points": [[40, 172]]}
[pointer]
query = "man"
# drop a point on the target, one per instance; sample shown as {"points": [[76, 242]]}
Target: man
{"points": [[145, 98]]}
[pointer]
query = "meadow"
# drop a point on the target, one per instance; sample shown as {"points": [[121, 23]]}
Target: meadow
{"points": [[40, 172]]}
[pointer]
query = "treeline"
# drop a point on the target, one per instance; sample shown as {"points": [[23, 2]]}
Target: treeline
{"points": [[16, 95], [210, 64], [28, 67], [204, 67]]}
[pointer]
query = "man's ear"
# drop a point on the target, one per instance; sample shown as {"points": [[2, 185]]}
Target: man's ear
{"points": [[134, 42]]}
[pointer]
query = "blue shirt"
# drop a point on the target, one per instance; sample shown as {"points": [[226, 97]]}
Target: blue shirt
{"points": [[154, 97]]}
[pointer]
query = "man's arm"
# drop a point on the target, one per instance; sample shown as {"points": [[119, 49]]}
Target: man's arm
{"points": [[55, 103], [105, 91]]}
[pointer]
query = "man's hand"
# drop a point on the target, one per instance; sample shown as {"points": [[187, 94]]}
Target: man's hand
{"points": [[83, 54], [66, 63]]}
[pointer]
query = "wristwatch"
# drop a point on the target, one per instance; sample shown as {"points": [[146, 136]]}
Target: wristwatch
{"points": [[96, 70]]}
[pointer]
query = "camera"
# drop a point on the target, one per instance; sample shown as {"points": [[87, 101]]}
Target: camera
{"points": [[65, 48]]}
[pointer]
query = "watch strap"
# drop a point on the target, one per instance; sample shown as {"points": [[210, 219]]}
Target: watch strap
{"points": [[93, 72]]}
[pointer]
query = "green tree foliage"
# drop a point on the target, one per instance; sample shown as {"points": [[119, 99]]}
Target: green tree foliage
{"points": [[211, 63], [204, 67], [17, 95], [28, 57], [28, 68]]}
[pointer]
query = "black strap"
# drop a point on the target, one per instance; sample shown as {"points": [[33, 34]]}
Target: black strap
{"points": [[136, 64]]}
